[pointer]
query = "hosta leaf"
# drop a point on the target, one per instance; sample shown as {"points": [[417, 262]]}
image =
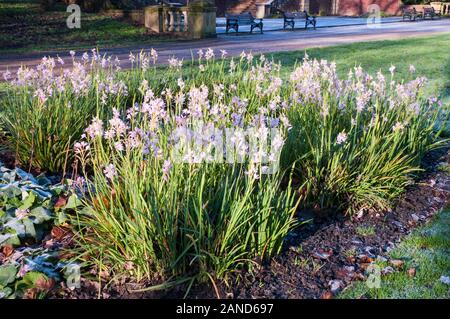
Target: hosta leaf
{"points": [[31, 277], [9, 239], [29, 228], [43, 181], [28, 201], [17, 226], [7, 274], [5, 292], [41, 215], [10, 190], [72, 202], [24, 176]]}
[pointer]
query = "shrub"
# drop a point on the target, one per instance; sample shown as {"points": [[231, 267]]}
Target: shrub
{"points": [[48, 109], [357, 141], [169, 203]]}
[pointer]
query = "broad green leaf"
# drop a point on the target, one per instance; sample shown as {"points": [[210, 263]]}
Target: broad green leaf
{"points": [[17, 226], [8, 238], [41, 214], [31, 277], [72, 202], [29, 228], [5, 292], [7, 274], [28, 202]]}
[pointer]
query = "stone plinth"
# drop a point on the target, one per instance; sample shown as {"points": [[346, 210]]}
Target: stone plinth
{"points": [[154, 18], [201, 16]]}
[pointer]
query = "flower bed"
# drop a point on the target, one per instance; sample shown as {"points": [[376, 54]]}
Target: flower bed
{"points": [[33, 225], [192, 172]]}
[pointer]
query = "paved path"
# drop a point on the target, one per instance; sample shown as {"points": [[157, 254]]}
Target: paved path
{"points": [[270, 41], [322, 22]]}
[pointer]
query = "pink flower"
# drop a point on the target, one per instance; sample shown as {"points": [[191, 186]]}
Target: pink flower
{"points": [[96, 128], [166, 169], [23, 270], [154, 55], [110, 171], [223, 53], [341, 138]]}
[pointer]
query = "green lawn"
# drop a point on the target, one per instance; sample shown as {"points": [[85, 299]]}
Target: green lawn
{"points": [[427, 251], [24, 27], [429, 55]]}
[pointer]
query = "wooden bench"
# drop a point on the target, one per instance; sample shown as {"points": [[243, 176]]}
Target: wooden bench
{"points": [[246, 18], [429, 12], [411, 14], [291, 17]]}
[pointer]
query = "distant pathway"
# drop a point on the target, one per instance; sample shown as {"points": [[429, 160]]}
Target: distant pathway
{"points": [[322, 22], [270, 41]]}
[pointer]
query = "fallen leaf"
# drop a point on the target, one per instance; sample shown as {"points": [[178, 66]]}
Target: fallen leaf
{"points": [[364, 259], [351, 259], [411, 272], [8, 250], [59, 232], [45, 283], [364, 266], [335, 285], [359, 276], [322, 254], [397, 263], [327, 295], [387, 270], [61, 202], [30, 293], [445, 280]]}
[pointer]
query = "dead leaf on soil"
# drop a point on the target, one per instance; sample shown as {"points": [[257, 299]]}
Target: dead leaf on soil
{"points": [[8, 250], [45, 284], [397, 263], [411, 272], [364, 266], [322, 254], [327, 295], [30, 293], [59, 232], [61, 202], [365, 259]]}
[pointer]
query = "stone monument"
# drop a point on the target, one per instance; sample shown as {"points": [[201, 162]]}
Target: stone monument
{"points": [[201, 19]]}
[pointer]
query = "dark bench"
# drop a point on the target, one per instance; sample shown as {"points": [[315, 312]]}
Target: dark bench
{"points": [[246, 18], [291, 17], [411, 14], [429, 12]]}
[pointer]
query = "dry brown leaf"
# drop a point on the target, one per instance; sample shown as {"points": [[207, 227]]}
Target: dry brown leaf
{"points": [[327, 295], [61, 202], [8, 250], [411, 272]]}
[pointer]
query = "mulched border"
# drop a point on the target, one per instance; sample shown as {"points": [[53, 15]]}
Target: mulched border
{"points": [[316, 261]]}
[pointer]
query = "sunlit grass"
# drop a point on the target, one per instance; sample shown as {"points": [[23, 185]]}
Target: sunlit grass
{"points": [[426, 251]]}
